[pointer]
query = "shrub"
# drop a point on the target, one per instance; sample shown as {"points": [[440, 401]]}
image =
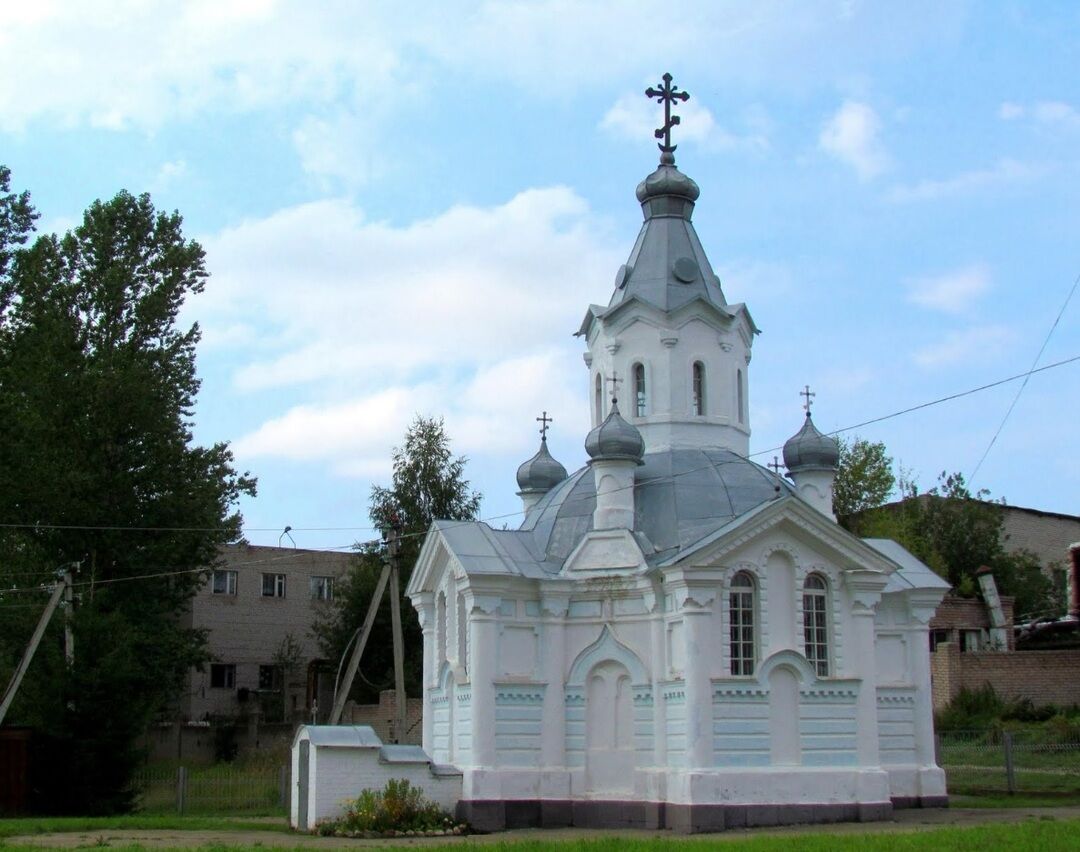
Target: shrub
{"points": [[399, 807]]}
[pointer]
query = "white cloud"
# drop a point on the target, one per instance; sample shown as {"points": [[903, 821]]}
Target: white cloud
{"points": [[953, 292], [490, 413], [635, 117], [973, 345], [1043, 112], [168, 174], [852, 135], [1003, 172], [455, 316]]}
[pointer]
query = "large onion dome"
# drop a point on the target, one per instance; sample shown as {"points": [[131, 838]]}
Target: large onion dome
{"points": [[541, 473], [615, 439], [809, 449]]}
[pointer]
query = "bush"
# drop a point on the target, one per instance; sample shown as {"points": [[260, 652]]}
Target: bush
{"points": [[398, 808], [971, 709]]}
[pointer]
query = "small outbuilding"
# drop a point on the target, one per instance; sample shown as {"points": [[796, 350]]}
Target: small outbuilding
{"points": [[333, 763]]}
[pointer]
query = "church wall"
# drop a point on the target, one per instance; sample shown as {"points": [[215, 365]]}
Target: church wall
{"points": [[741, 735], [673, 695], [518, 708], [896, 725]]}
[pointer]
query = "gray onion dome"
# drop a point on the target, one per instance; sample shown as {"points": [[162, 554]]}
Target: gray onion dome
{"points": [[810, 449], [667, 192], [541, 473], [615, 439]]}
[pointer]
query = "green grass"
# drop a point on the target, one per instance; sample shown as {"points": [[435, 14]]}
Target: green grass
{"points": [[1036, 835], [1020, 800], [50, 825]]}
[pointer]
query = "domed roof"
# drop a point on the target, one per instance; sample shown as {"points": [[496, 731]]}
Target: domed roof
{"points": [[809, 449], [667, 180], [541, 473], [680, 496], [615, 439]]}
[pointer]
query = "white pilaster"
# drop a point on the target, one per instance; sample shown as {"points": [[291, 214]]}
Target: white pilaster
{"points": [[424, 602], [483, 636]]}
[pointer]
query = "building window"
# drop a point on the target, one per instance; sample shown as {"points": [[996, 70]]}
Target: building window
{"points": [[222, 676], [699, 388], [741, 610], [639, 390], [815, 624], [270, 678], [599, 399], [970, 640], [322, 588], [273, 585], [224, 582]]}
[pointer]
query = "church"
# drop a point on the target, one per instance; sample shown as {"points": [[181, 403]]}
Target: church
{"points": [[676, 636]]}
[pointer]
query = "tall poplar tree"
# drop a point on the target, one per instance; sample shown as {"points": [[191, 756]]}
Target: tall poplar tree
{"points": [[99, 469]]}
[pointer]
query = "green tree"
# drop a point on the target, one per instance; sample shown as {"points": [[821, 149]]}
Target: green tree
{"points": [[956, 532], [864, 480], [98, 467], [428, 484]]}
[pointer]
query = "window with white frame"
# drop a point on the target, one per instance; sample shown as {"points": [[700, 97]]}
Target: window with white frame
{"points": [[699, 388], [222, 676], [741, 613], [273, 585], [322, 588], [815, 623], [599, 401], [223, 582], [639, 390]]}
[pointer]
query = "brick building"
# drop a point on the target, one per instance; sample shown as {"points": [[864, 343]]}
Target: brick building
{"points": [[258, 608]]}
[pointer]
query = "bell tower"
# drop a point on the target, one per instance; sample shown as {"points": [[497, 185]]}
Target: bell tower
{"points": [[683, 350]]}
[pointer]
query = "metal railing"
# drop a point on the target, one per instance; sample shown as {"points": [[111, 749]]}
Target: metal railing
{"points": [[1009, 762], [213, 790]]}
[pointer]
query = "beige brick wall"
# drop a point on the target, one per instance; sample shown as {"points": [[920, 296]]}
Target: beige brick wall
{"points": [[247, 628], [381, 717], [1046, 677]]}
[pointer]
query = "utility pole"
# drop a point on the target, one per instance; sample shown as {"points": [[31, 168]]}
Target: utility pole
{"points": [[62, 587], [393, 548], [389, 577], [69, 634]]}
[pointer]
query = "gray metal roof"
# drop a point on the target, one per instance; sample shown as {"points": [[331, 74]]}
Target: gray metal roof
{"points": [[339, 736], [809, 448], [540, 473], [913, 573], [615, 438]]}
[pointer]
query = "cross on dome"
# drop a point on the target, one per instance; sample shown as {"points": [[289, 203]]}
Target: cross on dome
{"points": [[808, 394], [667, 95], [775, 465], [614, 381], [543, 420]]}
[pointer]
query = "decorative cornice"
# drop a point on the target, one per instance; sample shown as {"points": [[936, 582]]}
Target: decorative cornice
{"points": [[525, 693]]}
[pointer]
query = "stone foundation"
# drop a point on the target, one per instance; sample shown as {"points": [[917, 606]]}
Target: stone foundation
{"points": [[500, 815]]}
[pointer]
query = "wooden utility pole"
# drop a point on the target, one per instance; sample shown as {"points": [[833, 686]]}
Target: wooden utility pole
{"points": [[389, 577], [62, 588], [69, 634]]}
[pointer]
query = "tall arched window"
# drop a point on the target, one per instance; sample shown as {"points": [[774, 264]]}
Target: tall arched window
{"points": [[639, 390], [815, 623], [740, 396], [699, 388], [741, 610], [599, 401]]}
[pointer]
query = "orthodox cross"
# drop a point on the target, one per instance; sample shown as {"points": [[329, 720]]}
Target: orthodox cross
{"points": [[806, 392], [775, 465], [667, 95], [615, 381], [543, 420]]}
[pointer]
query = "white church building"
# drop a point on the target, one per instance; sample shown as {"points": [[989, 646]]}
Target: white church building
{"points": [[676, 636]]}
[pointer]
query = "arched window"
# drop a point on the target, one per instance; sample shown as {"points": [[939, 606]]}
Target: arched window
{"points": [[599, 399], [815, 623], [639, 390], [699, 388], [740, 396], [741, 610]]}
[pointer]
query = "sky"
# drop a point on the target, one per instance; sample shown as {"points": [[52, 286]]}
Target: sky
{"points": [[407, 208]]}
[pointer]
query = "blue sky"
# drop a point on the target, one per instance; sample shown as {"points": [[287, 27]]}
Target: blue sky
{"points": [[407, 208]]}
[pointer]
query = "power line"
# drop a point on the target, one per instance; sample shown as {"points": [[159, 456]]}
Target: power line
{"points": [[1020, 390], [899, 413]]}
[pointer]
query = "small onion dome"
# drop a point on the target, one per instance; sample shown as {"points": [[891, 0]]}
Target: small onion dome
{"points": [[809, 449], [667, 192], [615, 439], [541, 473]]}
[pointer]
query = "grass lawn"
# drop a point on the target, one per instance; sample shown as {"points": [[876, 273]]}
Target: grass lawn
{"points": [[51, 825], [1038, 835]]}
